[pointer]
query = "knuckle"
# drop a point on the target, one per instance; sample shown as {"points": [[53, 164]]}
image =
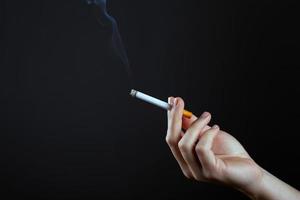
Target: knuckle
{"points": [[182, 145], [187, 175], [200, 149], [170, 140]]}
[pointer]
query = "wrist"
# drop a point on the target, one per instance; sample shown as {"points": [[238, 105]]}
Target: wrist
{"points": [[256, 189], [270, 187], [259, 188]]}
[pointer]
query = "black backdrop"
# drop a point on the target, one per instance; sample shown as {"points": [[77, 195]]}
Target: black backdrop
{"points": [[69, 129]]}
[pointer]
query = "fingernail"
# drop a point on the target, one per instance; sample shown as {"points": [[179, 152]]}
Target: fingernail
{"points": [[175, 102], [204, 115], [215, 127]]}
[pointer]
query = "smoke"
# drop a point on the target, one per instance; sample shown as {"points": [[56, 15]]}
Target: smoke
{"points": [[106, 20]]}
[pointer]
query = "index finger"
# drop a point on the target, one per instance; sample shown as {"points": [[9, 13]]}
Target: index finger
{"points": [[174, 132]]}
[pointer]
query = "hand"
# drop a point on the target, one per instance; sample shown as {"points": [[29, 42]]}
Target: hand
{"points": [[208, 154]]}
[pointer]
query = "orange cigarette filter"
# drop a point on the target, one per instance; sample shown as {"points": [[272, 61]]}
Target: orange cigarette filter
{"points": [[187, 114]]}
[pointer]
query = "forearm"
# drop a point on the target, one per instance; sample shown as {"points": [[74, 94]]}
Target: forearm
{"points": [[271, 188]]}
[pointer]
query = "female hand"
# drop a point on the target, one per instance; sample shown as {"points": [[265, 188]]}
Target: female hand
{"points": [[208, 154]]}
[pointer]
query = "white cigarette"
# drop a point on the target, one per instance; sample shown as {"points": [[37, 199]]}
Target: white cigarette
{"points": [[156, 102]]}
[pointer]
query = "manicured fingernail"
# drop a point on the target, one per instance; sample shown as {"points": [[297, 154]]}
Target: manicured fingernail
{"points": [[215, 127], [204, 115]]}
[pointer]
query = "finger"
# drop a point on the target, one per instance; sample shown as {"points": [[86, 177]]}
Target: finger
{"points": [[186, 123], [182, 164], [204, 152], [200, 124], [174, 131], [205, 129], [187, 145], [175, 119], [170, 101]]}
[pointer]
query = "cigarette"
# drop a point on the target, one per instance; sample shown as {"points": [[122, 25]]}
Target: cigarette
{"points": [[157, 102]]}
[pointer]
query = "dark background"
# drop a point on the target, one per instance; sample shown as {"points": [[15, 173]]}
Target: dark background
{"points": [[69, 129]]}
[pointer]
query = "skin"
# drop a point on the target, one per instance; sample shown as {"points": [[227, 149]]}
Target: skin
{"points": [[208, 154]]}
